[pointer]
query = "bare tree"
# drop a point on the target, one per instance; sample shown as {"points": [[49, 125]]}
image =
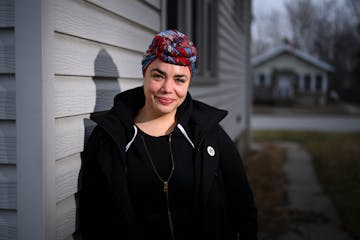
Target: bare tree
{"points": [[301, 15], [327, 29], [268, 32]]}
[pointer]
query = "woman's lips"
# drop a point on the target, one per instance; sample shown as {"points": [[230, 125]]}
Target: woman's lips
{"points": [[165, 101]]}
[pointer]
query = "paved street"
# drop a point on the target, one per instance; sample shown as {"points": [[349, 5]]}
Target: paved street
{"points": [[305, 122]]}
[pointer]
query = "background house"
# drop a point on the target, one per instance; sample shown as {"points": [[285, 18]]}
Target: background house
{"points": [[288, 75], [71, 58]]}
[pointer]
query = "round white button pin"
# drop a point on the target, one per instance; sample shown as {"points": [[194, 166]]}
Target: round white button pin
{"points": [[211, 151]]}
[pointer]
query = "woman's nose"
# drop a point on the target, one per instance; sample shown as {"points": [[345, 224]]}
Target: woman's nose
{"points": [[167, 86]]}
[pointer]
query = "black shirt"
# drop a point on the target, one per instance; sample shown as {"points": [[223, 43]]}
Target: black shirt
{"points": [[146, 189]]}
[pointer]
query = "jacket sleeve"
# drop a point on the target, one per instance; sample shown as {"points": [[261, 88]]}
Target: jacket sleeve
{"points": [[239, 196], [96, 213]]}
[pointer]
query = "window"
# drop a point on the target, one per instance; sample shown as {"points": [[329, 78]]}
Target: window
{"points": [[172, 14], [261, 79], [318, 82], [198, 19], [307, 83]]}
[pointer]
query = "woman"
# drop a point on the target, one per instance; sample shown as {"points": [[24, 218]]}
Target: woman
{"points": [[158, 165]]}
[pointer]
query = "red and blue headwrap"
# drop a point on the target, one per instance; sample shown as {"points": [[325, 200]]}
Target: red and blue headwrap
{"points": [[171, 46]]}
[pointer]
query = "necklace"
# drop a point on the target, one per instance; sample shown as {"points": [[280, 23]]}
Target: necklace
{"points": [[164, 182]]}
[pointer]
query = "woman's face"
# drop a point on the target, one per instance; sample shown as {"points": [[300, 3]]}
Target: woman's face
{"points": [[165, 87]]}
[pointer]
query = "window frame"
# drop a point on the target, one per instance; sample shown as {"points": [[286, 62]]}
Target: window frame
{"points": [[195, 23]]}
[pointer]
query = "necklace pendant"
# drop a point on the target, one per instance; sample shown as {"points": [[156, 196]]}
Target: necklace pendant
{"points": [[166, 186]]}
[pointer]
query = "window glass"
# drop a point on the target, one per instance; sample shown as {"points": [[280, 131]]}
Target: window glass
{"points": [[262, 79], [307, 83], [318, 83], [172, 14]]}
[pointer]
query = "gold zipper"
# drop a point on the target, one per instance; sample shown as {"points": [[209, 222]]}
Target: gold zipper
{"points": [[165, 183]]}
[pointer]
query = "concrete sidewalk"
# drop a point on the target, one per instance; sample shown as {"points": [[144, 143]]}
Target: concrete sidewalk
{"points": [[313, 215]]}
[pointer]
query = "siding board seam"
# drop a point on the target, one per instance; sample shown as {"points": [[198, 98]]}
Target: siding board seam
{"points": [[97, 77], [125, 18], [144, 27], [98, 42], [151, 6]]}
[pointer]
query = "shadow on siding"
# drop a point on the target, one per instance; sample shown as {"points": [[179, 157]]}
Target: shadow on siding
{"points": [[106, 83]]}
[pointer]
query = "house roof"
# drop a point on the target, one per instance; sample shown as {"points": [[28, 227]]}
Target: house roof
{"points": [[257, 60]]}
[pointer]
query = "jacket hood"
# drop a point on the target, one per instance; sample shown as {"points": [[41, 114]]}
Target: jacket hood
{"points": [[191, 115]]}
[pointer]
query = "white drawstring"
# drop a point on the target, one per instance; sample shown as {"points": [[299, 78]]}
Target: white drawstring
{"points": [[132, 140], [185, 134], [182, 130]]}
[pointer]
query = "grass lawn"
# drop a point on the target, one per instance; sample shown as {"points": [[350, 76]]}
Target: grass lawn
{"points": [[337, 163]]}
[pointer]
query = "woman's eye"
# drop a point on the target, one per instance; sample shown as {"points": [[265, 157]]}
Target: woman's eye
{"points": [[158, 76], [180, 80]]}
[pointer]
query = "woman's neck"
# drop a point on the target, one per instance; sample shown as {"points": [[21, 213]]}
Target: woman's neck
{"points": [[155, 125]]}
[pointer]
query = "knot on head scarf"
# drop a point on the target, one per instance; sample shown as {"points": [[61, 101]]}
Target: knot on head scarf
{"points": [[171, 46]]}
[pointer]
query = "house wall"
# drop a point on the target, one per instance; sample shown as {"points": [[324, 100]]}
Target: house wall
{"points": [[7, 121]]}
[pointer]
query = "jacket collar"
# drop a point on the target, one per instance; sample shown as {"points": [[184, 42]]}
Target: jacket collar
{"points": [[194, 118]]}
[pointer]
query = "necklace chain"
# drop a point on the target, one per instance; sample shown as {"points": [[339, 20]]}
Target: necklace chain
{"points": [[164, 182]]}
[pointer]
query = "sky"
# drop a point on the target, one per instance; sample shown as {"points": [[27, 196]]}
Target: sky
{"points": [[263, 7]]}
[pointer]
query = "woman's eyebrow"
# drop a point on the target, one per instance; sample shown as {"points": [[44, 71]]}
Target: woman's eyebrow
{"points": [[163, 73], [158, 70], [180, 75]]}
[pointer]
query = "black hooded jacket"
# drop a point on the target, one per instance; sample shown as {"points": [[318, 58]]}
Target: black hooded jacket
{"points": [[223, 201]]}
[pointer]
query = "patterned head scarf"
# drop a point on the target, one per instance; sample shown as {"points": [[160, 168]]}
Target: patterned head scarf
{"points": [[171, 46]]}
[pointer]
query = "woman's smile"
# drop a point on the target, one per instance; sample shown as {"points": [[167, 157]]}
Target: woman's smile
{"points": [[165, 100]]}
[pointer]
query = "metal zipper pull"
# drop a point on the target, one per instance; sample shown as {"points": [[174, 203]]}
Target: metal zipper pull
{"points": [[166, 186]]}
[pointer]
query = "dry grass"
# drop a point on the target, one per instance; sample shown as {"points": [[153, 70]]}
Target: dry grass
{"points": [[338, 165], [268, 183]]}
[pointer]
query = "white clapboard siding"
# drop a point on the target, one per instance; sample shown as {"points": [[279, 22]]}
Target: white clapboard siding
{"points": [[231, 122], [67, 171], [85, 20], [7, 187], [7, 51], [231, 71], [7, 142], [70, 135], [7, 97], [65, 218], [222, 100], [228, 60], [155, 3], [74, 56], [81, 95], [223, 96], [207, 92], [136, 11], [7, 224], [7, 15]]}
